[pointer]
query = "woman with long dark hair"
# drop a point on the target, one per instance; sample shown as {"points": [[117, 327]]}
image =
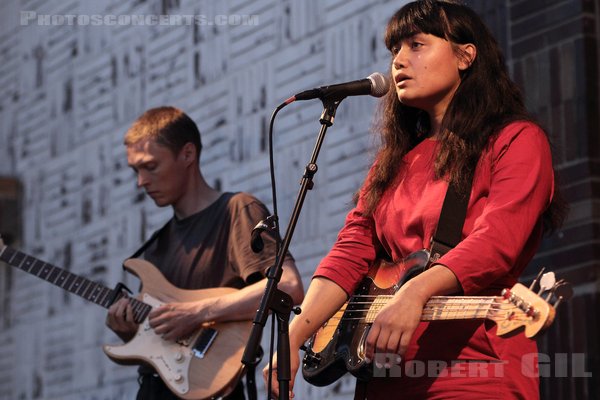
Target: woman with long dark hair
{"points": [[452, 117]]}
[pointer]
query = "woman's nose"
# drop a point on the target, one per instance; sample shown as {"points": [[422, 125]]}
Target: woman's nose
{"points": [[399, 59]]}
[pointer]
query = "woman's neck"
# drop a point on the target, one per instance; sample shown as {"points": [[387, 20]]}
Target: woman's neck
{"points": [[435, 123]]}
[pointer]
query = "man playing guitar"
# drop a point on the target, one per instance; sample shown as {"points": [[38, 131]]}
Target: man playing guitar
{"points": [[206, 244]]}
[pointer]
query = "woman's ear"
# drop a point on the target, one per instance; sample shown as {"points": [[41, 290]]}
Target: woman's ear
{"points": [[468, 52]]}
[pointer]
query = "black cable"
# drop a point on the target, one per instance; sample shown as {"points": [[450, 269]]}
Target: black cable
{"points": [[277, 234]]}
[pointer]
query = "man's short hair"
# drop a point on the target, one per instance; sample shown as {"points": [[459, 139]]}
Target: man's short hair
{"points": [[168, 126]]}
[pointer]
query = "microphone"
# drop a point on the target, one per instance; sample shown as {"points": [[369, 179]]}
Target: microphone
{"points": [[375, 85]]}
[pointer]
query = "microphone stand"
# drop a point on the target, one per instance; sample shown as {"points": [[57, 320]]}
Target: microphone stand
{"points": [[274, 299]]}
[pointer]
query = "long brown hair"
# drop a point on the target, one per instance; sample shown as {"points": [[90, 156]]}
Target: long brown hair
{"points": [[485, 101]]}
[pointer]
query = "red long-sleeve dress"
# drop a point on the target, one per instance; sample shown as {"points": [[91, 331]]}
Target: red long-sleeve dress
{"points": [[512, 186]]}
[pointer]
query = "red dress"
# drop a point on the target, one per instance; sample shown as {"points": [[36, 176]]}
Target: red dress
{"points": [[512, 187]]}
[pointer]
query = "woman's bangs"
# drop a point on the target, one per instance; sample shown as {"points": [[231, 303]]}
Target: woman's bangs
{"points": [[416, 18]]}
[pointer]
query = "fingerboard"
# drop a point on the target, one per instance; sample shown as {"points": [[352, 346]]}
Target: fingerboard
{"points": [[443, 307], [82, 287]]}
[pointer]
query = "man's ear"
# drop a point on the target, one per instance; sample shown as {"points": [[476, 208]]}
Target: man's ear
{"points": [[468, 52], [188, 152]]}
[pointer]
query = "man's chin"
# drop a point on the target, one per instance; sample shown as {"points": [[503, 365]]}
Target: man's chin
{"points": [[160, 202]]}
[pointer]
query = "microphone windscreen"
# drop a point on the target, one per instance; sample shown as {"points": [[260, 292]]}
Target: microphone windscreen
{"points": [[379, 84]]}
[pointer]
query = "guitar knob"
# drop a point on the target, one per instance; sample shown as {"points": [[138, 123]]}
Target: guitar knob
{"points": [[179, 356], [178, 378]]}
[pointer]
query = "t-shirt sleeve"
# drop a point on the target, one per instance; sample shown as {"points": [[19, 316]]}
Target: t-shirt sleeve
{"points": [[521, 188], [247, 211], [354, 251], [352, 254]]}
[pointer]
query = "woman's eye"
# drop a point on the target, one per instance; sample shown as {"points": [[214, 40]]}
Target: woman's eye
{"points": [[416, 45]]}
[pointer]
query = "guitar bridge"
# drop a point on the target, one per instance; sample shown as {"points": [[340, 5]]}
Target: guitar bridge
{"points": [[205, 339], [310, 357]]}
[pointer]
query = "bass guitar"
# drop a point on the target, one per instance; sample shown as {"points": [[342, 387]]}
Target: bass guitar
{"points": [[339, 345], [204, 365]]}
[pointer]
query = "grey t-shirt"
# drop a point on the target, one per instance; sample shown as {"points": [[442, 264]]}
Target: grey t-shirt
{"points": [[212, 247]]}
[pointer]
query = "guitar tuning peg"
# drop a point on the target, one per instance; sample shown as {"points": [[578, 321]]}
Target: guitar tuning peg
{"points": [[563, 291], [537, 278], [547, 282]]}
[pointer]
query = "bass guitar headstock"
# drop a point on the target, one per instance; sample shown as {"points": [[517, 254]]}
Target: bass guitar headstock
{"points": [[522, 307]]}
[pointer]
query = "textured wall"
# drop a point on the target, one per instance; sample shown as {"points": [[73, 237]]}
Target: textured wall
{"points": [[68, 92], [554, 55]]}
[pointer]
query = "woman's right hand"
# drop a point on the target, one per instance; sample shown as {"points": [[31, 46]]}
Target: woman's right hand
{"points": [[294, 365]]}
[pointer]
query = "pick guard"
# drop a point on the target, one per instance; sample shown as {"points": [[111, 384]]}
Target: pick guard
{"points": [[172, 359]]}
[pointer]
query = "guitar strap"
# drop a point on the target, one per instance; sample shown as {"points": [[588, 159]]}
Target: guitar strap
{"points": [[148, 242], [120, 286], [447, 235], [452, 219]]}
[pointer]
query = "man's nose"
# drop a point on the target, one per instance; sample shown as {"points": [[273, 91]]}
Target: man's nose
{"points": [[141, 179]]}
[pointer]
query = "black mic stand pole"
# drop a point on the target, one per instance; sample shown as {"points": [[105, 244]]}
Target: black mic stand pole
{"points": [[273, 298]]}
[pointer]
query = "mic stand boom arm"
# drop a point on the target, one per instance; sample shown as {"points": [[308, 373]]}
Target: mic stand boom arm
{"points": [[273, 298]]}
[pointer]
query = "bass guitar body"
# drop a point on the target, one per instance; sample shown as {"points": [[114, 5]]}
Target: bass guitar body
{"points": [[339, 346]]}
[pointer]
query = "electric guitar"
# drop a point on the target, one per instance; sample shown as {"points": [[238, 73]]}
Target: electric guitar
{"points": [[339, 345], [204, 365]]}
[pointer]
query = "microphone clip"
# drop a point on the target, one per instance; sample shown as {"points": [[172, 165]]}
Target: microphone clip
{"points": [[267, 224]]}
